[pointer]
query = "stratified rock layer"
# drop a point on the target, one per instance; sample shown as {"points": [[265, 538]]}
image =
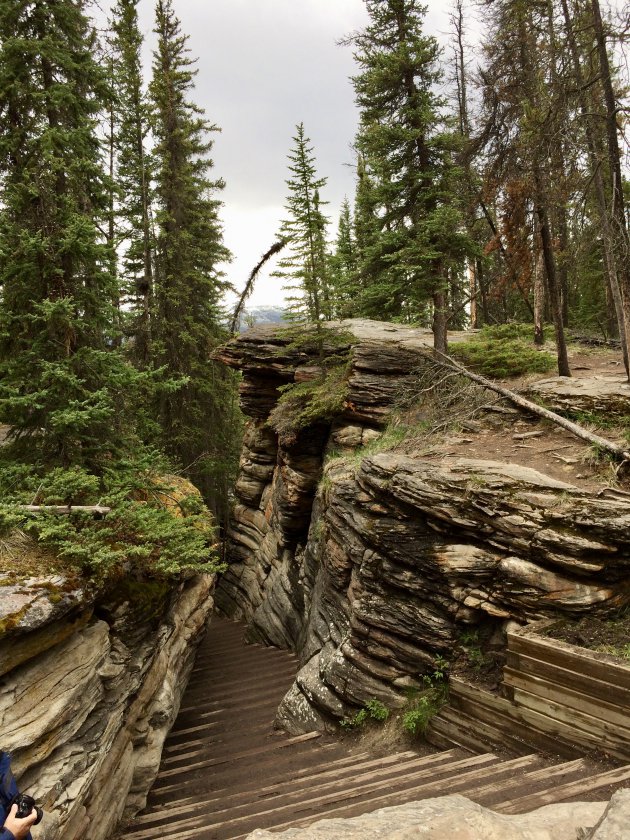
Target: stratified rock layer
{"points": [[372, 567], [91, 686]]}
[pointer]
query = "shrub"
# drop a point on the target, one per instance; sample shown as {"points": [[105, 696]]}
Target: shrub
{"points": [[428, 702], [503, 351], [158, 526], [373, 710]]}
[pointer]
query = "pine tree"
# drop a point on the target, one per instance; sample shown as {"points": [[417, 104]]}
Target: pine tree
{"points": [[197, 414], [60, 384], [343, 266], [130, 122], [407, 151], [306, 265]]}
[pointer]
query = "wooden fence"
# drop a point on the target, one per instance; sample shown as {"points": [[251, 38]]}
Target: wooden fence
{"points": [[555, 697]]}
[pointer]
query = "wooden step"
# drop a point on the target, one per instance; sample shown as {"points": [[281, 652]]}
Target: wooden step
{"points": [[226, 771], [564, 793]]}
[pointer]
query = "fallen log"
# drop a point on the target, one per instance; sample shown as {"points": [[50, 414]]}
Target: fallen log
{"points": [[66, 509], [618, 453]]}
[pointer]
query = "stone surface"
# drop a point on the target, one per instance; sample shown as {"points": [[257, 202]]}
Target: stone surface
{"points": [[28, 604], [371, 568], [451, 818], [87, 700], [609, 395], [615, 822]]}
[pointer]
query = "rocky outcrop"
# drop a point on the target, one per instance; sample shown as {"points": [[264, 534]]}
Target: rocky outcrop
{"points": [[615, 820], [371, 567], [451, 817], [588, 396], [91, 684]]}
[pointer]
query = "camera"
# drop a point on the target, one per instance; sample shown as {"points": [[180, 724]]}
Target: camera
{"points": [[25, 805]]}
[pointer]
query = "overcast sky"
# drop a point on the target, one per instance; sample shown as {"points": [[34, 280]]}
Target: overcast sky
{"points": [[264, 66]]}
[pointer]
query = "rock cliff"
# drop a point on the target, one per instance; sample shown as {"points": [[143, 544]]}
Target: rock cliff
{"points": [[372, 565], [91, 684]]}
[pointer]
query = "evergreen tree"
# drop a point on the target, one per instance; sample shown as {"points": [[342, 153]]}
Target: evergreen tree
{"points": [[197, 415], [60, 384], [343, 265], [524, 136], [130, 125], [306, 264], [408, 157]]}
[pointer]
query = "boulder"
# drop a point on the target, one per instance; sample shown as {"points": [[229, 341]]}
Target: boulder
{"points": [[451, 818]]}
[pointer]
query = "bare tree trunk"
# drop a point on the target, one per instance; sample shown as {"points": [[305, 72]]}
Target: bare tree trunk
{"points": [[608, 245], [483, 290], [550, 270], [617, 215], [539, 300], [439, 321], [472, 285], [66, 509]]}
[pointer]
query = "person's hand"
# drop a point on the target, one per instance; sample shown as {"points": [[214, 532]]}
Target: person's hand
{"points": [[19, 828]]}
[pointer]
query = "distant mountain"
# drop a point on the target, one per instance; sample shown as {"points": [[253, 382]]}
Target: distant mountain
{"points": [[261, 315]]}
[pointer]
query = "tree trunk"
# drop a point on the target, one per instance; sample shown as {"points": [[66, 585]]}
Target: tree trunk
{"points": [[621, 241], [608, 246], [539, 300], [550, 270], [439, 321], [472, 285], [483, 290]]}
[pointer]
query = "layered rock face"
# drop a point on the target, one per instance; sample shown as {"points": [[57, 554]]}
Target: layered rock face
{"points": [[372, 567], [91, 685]]}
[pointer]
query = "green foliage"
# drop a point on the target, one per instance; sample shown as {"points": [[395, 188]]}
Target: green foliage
{"points": [[374, 710], [306, 266], [503, 351], [408, 226], [60, 381], [304, 404], [199, 419], [156, 527], [323, 397], [130, 118], [471, 645], [622, 651], [343, 266], [426, 703]]}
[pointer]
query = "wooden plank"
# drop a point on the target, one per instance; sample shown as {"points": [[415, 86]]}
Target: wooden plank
{"points": [[461, 729], [459, 782], [600, 731], [380, 769], [561, 793], [572, 658], [232, 757], [571, 679], [450, 774], [505, 726], [546, 775], [527, 720], [599, 709]]}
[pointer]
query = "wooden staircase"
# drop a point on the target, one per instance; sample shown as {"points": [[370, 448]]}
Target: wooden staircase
{"points": [[226, 771]]}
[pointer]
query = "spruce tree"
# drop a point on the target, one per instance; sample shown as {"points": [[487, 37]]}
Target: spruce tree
{"points": [[343, 265], [306, 265], [60, 384], [130, 122], [197, 413], [407, 149]]}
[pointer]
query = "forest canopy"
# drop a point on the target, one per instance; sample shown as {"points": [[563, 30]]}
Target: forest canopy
{"points": [[490, 188]]}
